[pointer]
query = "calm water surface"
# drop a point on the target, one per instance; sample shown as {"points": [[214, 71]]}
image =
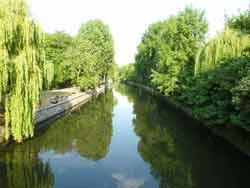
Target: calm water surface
{"points": [[124, 139]]}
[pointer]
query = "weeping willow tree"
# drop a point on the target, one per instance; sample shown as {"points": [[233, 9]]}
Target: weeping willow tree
{"points": [[227, 44], [21, 64], [48, 75], [24, 169]]}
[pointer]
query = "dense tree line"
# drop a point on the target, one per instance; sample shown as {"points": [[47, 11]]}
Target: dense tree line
{"points": [[86, 59], [212, 78], [31, 61]]}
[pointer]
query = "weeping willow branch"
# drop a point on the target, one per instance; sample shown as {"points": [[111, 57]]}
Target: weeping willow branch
{"points": [[21, 65], [227, 44], [48, 75]]}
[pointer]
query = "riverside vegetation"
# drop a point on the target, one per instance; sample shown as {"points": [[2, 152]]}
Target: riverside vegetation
{"points": [[127, 137], [31, 61], [209, 76]]}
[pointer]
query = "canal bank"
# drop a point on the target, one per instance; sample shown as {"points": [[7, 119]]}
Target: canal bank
{"points": [[126, 138], [56, 103], [236, 136]]}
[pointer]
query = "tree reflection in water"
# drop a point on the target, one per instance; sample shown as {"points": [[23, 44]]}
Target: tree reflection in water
{"points": [[23, 169], [157, 146], [87, 131], [181, 152]]}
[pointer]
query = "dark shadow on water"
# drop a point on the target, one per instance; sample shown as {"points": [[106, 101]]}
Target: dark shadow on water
{"points": [[180, 152]]}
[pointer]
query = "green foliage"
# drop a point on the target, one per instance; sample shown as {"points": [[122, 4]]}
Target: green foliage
{"points": [[21, 65], [220, 96], [184, 35], [126, 72], [87, 131], [166, 55], [17, 170], [99, 35], [90, 59], [211, 79], [146, 58], [81, 66], [240, 22], [56, 45], [48, 75], [114, 72], [241, 100], [156, 129], [90, 129], [227, 44], [86, 60]]}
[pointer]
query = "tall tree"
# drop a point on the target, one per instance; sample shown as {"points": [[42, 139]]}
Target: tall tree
{"points": [[98, 34], [90, 58], [166, 55], [81, 65], [146, 58], [21, 64]]}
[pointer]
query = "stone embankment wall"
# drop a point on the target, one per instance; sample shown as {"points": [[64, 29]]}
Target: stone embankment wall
{"points": [[73, 101]]}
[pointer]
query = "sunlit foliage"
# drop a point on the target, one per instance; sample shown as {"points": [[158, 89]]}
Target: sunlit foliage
{"points": [[126, 72], [89, 60], [211, 79], [56, 45], [98, 34], [30, 62], [227, 44], [21, 65], [166, 54], [240, 22], [48, 75], [221, 96]]}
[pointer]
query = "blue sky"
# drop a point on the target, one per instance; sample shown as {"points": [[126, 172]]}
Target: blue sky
{"points": [[128, 19]]}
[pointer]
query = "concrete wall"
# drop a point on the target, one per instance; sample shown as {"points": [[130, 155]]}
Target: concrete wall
{"points": [[69, 104]]}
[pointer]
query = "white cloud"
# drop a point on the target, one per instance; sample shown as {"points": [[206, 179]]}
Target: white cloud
{"points": [[126, 182], [128, 19]]}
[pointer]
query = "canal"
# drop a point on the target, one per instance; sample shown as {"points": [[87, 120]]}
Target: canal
{"points": [[124, 139]]}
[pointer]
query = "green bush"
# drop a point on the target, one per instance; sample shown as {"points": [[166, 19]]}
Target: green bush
{"points": [[220, 95]]}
